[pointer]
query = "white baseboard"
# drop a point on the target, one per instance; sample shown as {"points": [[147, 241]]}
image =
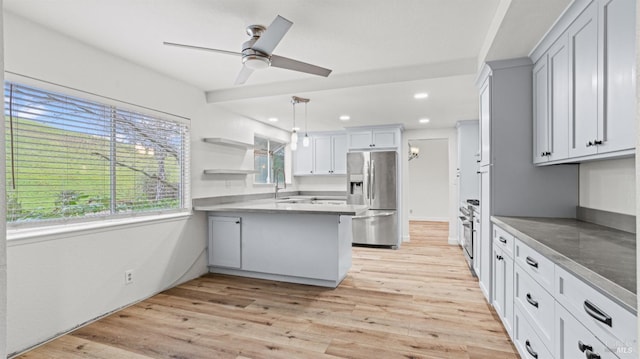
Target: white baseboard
{"points": [[406, 238], [453, 241]]}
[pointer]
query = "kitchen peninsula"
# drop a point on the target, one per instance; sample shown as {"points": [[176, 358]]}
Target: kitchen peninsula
{"points": [[300, 239]]}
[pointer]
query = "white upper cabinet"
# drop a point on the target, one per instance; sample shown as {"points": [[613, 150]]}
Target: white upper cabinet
{"points": [[583, 84], [588, 108], [330, 154], [374, 138], [326, 155], [339, 147], [558, 126], [485, 123], [541, 111], [303, 161], [616, 130], [551, 104], [322, 154]]}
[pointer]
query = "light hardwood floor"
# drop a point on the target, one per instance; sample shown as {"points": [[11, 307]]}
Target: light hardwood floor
{"points": [[416, 302]]}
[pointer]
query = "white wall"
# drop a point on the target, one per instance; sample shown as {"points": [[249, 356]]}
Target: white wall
{"points": [[609, 185], [429, 181], [56, 282], [414, 135], [322, 183]]}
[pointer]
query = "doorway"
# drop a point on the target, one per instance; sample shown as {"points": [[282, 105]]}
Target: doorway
{"points": [[428, 185]]}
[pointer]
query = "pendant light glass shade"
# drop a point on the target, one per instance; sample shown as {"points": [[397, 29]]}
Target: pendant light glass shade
{"points": [[305, 140]]}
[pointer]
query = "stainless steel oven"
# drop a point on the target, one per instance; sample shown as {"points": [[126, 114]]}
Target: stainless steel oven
{"points": [[468, 231]]}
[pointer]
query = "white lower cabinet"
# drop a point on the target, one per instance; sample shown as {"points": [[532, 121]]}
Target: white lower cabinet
{"points": [[551, 313], [575, 340], [503, 286], [526, 340], [224, 242]]}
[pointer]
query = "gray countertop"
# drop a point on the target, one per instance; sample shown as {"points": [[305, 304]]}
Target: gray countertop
{"points": [[273, 206], [603, 257]]}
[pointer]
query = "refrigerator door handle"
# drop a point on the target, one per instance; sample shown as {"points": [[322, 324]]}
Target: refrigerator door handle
{"points": [[368, 199], [373, 179], [386, 214]]}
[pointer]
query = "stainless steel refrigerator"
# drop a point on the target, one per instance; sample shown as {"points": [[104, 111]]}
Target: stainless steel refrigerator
{"points": [[371, 181]]}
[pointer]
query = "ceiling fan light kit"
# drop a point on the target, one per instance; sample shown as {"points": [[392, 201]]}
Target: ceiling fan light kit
{"points": [[257, 52]]}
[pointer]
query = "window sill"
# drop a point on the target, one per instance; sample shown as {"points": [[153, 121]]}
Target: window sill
{"points": [[38, 234]]}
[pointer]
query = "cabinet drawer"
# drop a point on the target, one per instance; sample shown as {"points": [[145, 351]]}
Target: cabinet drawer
{"points": [[537, 266], [527, 341], [609, 322], [575, 341], [536, 305], [503, 240]]}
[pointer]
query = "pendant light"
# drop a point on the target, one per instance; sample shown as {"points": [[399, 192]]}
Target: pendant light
{"points": [[294, 133], [305, 140]]}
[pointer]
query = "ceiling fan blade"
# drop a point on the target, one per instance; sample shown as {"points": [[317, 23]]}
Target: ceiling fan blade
{"points": [[244, 74], [295, 65], [202, 48], [272, 36]]}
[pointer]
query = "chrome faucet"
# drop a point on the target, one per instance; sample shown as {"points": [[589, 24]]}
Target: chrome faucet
{"points": [[275, 179]]}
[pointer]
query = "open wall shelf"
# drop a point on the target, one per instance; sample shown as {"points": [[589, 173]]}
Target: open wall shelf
{"points": [[228, 143], [229, 172]]}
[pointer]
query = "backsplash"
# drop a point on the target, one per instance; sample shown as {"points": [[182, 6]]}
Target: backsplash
{"points": [[609, 185]]}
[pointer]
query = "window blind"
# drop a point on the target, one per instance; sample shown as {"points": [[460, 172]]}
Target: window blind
{"points": [[69, 157]]}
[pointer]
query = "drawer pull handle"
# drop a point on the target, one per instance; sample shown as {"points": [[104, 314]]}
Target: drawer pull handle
{"points": [[531, 301], [582, 346], [499, 257], [596, 313], [591, 355], [532, 262], [503, 240], [237, 222], [530, 350]]}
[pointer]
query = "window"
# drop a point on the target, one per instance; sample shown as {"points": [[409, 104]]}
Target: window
{"points": [[69, 157], [268, 160]]}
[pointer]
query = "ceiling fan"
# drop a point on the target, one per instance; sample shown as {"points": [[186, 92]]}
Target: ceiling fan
{"points": [[257, 53]]}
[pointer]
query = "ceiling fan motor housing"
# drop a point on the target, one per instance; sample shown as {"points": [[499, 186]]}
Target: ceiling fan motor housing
{"points": [[251, 58]]}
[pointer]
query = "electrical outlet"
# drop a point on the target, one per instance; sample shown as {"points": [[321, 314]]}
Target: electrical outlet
{"points": [[128, 276]]}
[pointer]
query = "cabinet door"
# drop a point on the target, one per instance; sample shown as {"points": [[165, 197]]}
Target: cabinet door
{"points": [[617, 128], [558, 67], [583, 87], [540, 111], [339, 153], [384, 138], [303, 159], [322, 155], [485, 240], [485, 122], [508, 293], [498, 281], [224, 242], [360, 139]]}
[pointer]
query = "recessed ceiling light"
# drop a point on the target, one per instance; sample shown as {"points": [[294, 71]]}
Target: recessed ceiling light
{"points": [[273, 119], [420, 95], [345, 118], [424, 120]]}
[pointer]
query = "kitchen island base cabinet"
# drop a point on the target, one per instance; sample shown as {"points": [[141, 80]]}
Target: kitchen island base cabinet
{"points": [[310, 249]]}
